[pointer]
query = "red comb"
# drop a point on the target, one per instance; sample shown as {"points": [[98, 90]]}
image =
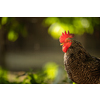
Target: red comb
{"points": [[63, 37]]}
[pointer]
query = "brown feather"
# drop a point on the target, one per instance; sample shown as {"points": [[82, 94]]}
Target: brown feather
{"points": [[81, 67]]}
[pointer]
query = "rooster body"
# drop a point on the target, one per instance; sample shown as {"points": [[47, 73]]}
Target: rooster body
{"points": [[81, 67]]}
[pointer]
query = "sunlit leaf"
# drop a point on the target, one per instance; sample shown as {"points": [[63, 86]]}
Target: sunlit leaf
{"points": [[85, 23], [51, 69], [12, 36], [76, 25], [74, 83], [51, 20], [55, 30], [4, 20], [35, 76]]}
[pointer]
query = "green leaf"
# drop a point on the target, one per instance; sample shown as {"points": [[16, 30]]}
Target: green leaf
{"points": [[4, 20], [12, 36]]}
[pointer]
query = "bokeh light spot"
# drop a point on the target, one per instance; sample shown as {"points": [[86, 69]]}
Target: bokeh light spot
{"points": [[12, 36], [4, 20]]}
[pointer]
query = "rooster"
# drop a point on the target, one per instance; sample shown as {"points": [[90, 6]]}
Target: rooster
{"points": [[81, 67]]}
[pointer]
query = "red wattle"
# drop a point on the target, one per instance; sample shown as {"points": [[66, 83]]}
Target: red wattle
{"points": [[66, 46]]}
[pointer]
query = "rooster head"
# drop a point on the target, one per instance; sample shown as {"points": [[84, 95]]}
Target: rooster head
{"points": [[65, 40]]}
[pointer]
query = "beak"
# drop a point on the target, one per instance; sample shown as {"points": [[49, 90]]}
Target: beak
{"points": [[61, 44]]}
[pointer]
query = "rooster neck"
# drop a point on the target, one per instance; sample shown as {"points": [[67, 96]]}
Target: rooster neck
{"points": [[76, 53], [76, 48]]}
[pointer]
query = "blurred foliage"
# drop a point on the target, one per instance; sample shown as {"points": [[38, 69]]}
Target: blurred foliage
{"points": [[4, 20], [57, 25], [12, 36], [3, 76], [13, 28], [50, 69], [76, 25], [50, 74]]}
